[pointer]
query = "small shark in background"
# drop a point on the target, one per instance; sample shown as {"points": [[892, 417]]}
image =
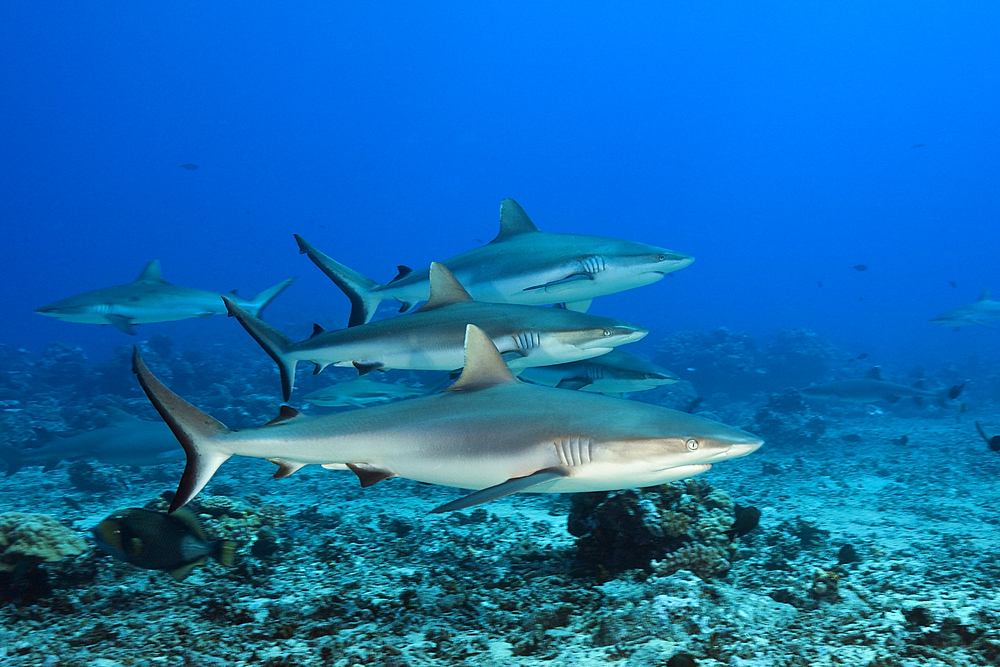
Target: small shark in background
{"points": [[521, 265], [361, 392], [873, 388], [615, 373], [978, 312], [150, 299], [431, 338], [125, 441], [487, 431]]}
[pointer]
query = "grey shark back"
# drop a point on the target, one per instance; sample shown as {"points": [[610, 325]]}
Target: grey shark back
{"points": [[617, 372], [873, 388], [149, 299], [521, 265], [979, 313]]}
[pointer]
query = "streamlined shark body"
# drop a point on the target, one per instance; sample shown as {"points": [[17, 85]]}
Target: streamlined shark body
{"points": [[980, 312], [431, 339], [615, 373], [873, 388], [361, 392], [149, 299], [126, 440], [488, 431], [521, 265]]}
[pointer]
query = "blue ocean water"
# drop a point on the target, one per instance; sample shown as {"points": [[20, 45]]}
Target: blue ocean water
{"points": [[773, 142], [832, 168]]}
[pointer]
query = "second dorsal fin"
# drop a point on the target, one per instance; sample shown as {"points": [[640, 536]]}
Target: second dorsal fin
{"points": [[484, 367], [875, 373], [445, 288]]}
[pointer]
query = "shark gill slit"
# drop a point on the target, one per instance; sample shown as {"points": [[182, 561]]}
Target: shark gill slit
{"points": [[593, 264], [574, 450]]}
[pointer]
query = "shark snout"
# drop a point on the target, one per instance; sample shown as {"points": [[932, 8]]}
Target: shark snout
{"points": [[616, 335]]}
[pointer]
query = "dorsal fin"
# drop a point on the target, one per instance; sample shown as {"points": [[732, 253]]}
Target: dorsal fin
{"points": [[151, 274], [985, 296], [445, 288], [484, 367], [116, 416], [285, 414], [875, 373], [513, 221], [317, 330], [403, 272]]}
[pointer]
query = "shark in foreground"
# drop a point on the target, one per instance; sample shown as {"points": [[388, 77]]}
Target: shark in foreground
{"points": [[126, 441], [521, 265], [149, 299], [615, 373], [488, 431], [431, 338], [873, 388], [978, 312], [361, 392]]}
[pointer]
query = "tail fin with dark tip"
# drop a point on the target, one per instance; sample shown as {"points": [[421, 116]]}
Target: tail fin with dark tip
{"points": [[200, 435], [275, 343], [257, 304], [358, 288]]}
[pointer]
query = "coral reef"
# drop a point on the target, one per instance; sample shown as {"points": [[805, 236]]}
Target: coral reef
{"points": [[661, 529]]}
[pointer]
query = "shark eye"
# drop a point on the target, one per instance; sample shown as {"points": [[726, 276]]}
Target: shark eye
{"points": [[691, 444], [661, 257], [607, 332], [648, 376]]}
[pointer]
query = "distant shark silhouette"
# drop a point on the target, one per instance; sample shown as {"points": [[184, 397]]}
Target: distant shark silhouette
{"points": [[362, 391], [978, 312], [150, 299], [873, 388], [126, 440], [615, 373], [521, 265]]}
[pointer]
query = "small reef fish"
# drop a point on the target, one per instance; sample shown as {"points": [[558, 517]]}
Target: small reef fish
{"points": [[874, 388], [747, 519], [860, 267], [190, 166], [487, 431], [980, 312], [148, 299], [431, 339], [126, 441], [361, 392], [521, 265], [158, 541], [615, 373]]}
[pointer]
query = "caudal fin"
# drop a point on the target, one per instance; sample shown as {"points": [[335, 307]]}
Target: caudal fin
{"points": [[275, 343], [358, 288], [12, 457], [200, 435], [256, 305], [224, 551]]}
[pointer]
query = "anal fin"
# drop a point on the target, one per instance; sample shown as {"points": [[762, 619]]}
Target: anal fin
{"points": [[365, 367], [369, 474], [286, 468], [511, 486]]}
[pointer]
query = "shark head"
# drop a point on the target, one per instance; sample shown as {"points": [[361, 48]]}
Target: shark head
{"points": [[638, 264], [557, 346], [72, 308]]}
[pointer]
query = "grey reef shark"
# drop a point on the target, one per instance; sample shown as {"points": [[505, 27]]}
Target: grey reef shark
{"points": [[521, 265], [980, 312], [615, 373], [149, 298], [361, 392], [432, 338], [125, 441], [873, 388], [488, 432]]}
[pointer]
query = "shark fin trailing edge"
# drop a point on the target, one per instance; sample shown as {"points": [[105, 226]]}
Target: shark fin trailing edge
{"points": [[445, 288], [358, 288], [985, 296], [256, 305], [275, 343], [151, 273], [484, 367], [513, 221], [199, 434]]}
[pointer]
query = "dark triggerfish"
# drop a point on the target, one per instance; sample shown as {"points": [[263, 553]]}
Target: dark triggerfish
{"points": [[158, 541]]}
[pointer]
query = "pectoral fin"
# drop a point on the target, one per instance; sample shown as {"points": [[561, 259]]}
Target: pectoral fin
{"points": [[121, 323], [511, 486], [561, 284], [573, 383], [181, 573]]}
